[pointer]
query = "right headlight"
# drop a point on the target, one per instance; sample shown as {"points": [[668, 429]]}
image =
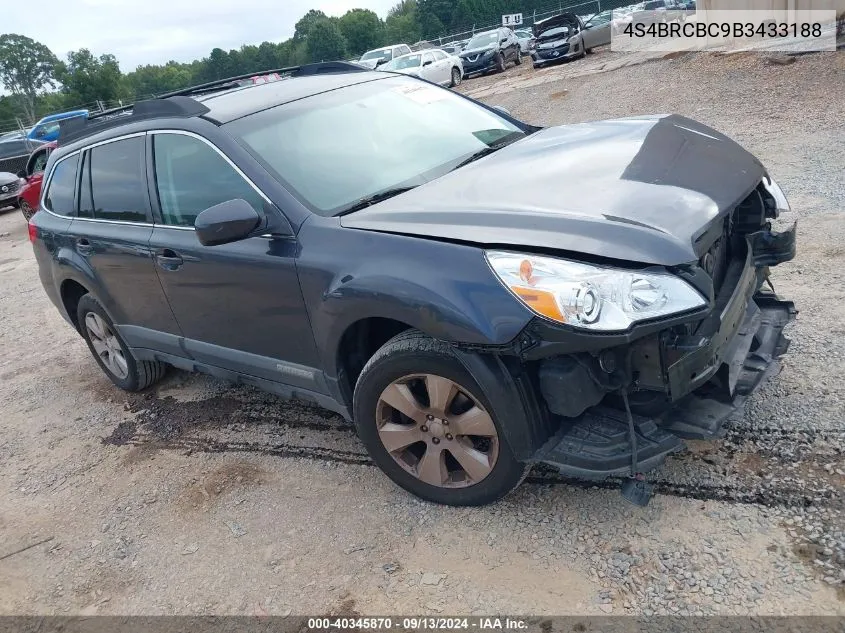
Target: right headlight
{"points": [[591, 297]]}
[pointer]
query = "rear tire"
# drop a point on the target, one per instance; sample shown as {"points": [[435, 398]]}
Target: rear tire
{"points": [[456, 77], [446, 445], [111, 352], [26, 210]]}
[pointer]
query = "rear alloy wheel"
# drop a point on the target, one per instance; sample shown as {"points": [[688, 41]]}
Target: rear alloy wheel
{"points": [[456, 77], [426, 425], [111, 353], [27, 210]]}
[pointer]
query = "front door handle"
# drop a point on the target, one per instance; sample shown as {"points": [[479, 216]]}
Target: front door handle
{"points": [[168, 259], [83, 246]]}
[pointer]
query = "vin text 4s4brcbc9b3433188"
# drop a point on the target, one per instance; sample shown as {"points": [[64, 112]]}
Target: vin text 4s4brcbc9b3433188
{"points": [[355, 239]]}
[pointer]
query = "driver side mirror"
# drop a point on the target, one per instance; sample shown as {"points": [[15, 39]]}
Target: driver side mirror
{"points": [[504, 40], [22, 174], [226, 222], [379, 62], [428, 63]]}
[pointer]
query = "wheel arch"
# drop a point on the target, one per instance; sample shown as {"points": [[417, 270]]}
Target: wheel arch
{"points": [[358, 343], [71, 291]]}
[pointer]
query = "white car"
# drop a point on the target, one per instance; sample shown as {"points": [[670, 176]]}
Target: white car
{"points": [[525, 37], [379, 56], [432, 65]]}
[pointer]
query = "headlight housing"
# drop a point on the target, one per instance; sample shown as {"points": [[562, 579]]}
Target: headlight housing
{"points": [[592, 297], [774, 190]]}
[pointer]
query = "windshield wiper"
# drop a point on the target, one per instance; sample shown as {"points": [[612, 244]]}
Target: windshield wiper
{"points": [[363, 203], [493, 147]]}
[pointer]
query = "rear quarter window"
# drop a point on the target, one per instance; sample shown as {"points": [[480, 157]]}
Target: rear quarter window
{"points": [[59, 195]]}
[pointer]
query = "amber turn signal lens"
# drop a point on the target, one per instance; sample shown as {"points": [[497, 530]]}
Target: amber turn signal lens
{"points": [[540, 301]]}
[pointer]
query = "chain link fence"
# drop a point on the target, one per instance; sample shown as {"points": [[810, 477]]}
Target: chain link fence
{"points": [[528, 20]]}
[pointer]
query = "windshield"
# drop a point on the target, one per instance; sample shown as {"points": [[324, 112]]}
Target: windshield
{"points": [[339, 147], [383, 53], [401, 63], [559, 31], [483, 39]]}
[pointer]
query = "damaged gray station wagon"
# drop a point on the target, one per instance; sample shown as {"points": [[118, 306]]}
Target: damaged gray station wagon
{"points": [[477, 294]]}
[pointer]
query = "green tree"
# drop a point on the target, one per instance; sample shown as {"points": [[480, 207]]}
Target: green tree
{"points": [[307, 22], [86, 78], [27, 67], [362, 29], [401, 25], [325, 42]]}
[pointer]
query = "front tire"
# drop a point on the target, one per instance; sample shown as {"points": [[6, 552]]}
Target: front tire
{"points": [[500, 62], [518, 60], [111, 352], [427, 424]]}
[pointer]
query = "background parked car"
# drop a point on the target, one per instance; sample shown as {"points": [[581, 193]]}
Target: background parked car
{"points": [[379, 56], [491, 50], [10, 185], [662, 11], [33, 175], [432, 65], [15, 152], [559, 38], [47, 129], [596, 31], [454, 48], [526, 40]]}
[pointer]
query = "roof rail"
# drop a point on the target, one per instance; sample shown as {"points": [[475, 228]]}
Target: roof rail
{"points": [[179, 103], [177, 106], [319, 68]]}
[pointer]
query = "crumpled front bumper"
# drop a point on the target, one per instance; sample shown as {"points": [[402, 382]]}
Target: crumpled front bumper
{"points": [[706, 376]]}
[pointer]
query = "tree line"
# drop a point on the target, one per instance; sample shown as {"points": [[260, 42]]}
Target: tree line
{"points": [[40, 83]]}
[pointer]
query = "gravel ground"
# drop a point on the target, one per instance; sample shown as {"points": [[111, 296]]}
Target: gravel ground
{"points": [[200, 497]]}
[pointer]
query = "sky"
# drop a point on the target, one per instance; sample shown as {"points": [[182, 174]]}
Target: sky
{"points": [[141, 32]]}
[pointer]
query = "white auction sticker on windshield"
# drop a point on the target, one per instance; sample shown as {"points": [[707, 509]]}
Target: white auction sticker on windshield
{"points": [[421, 93]]}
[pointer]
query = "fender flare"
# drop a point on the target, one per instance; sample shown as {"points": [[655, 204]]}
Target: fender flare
{"points": [[525, 423]]}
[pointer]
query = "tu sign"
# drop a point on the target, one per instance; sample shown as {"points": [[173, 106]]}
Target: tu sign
{"points": [[513, 19]]}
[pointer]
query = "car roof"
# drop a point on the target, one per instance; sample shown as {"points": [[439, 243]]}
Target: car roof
{"points": [[228, 105]]}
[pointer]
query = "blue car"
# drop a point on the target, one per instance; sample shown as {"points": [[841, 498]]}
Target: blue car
{"points": [[47, 129]]}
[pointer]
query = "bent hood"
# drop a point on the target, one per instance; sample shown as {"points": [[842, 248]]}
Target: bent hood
{"points": [[642, 189]]}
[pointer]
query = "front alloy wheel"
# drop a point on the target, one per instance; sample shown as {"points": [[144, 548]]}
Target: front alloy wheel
{"points": [[437, 431], [427, 423]]}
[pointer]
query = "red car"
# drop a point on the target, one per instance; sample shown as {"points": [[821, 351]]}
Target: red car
{"points": [[33, 174]]}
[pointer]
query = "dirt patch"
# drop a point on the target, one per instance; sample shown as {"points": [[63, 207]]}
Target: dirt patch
{"points": [[201, 495]]}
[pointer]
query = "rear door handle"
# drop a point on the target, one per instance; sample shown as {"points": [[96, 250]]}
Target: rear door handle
{"points": [[83, 246], [168, 259]]}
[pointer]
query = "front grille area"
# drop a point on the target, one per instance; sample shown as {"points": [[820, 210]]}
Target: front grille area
{"points": [[9, 188]]}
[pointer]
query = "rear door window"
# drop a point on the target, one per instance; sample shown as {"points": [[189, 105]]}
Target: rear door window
{"points": [[59, 196], [117, 173]]}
